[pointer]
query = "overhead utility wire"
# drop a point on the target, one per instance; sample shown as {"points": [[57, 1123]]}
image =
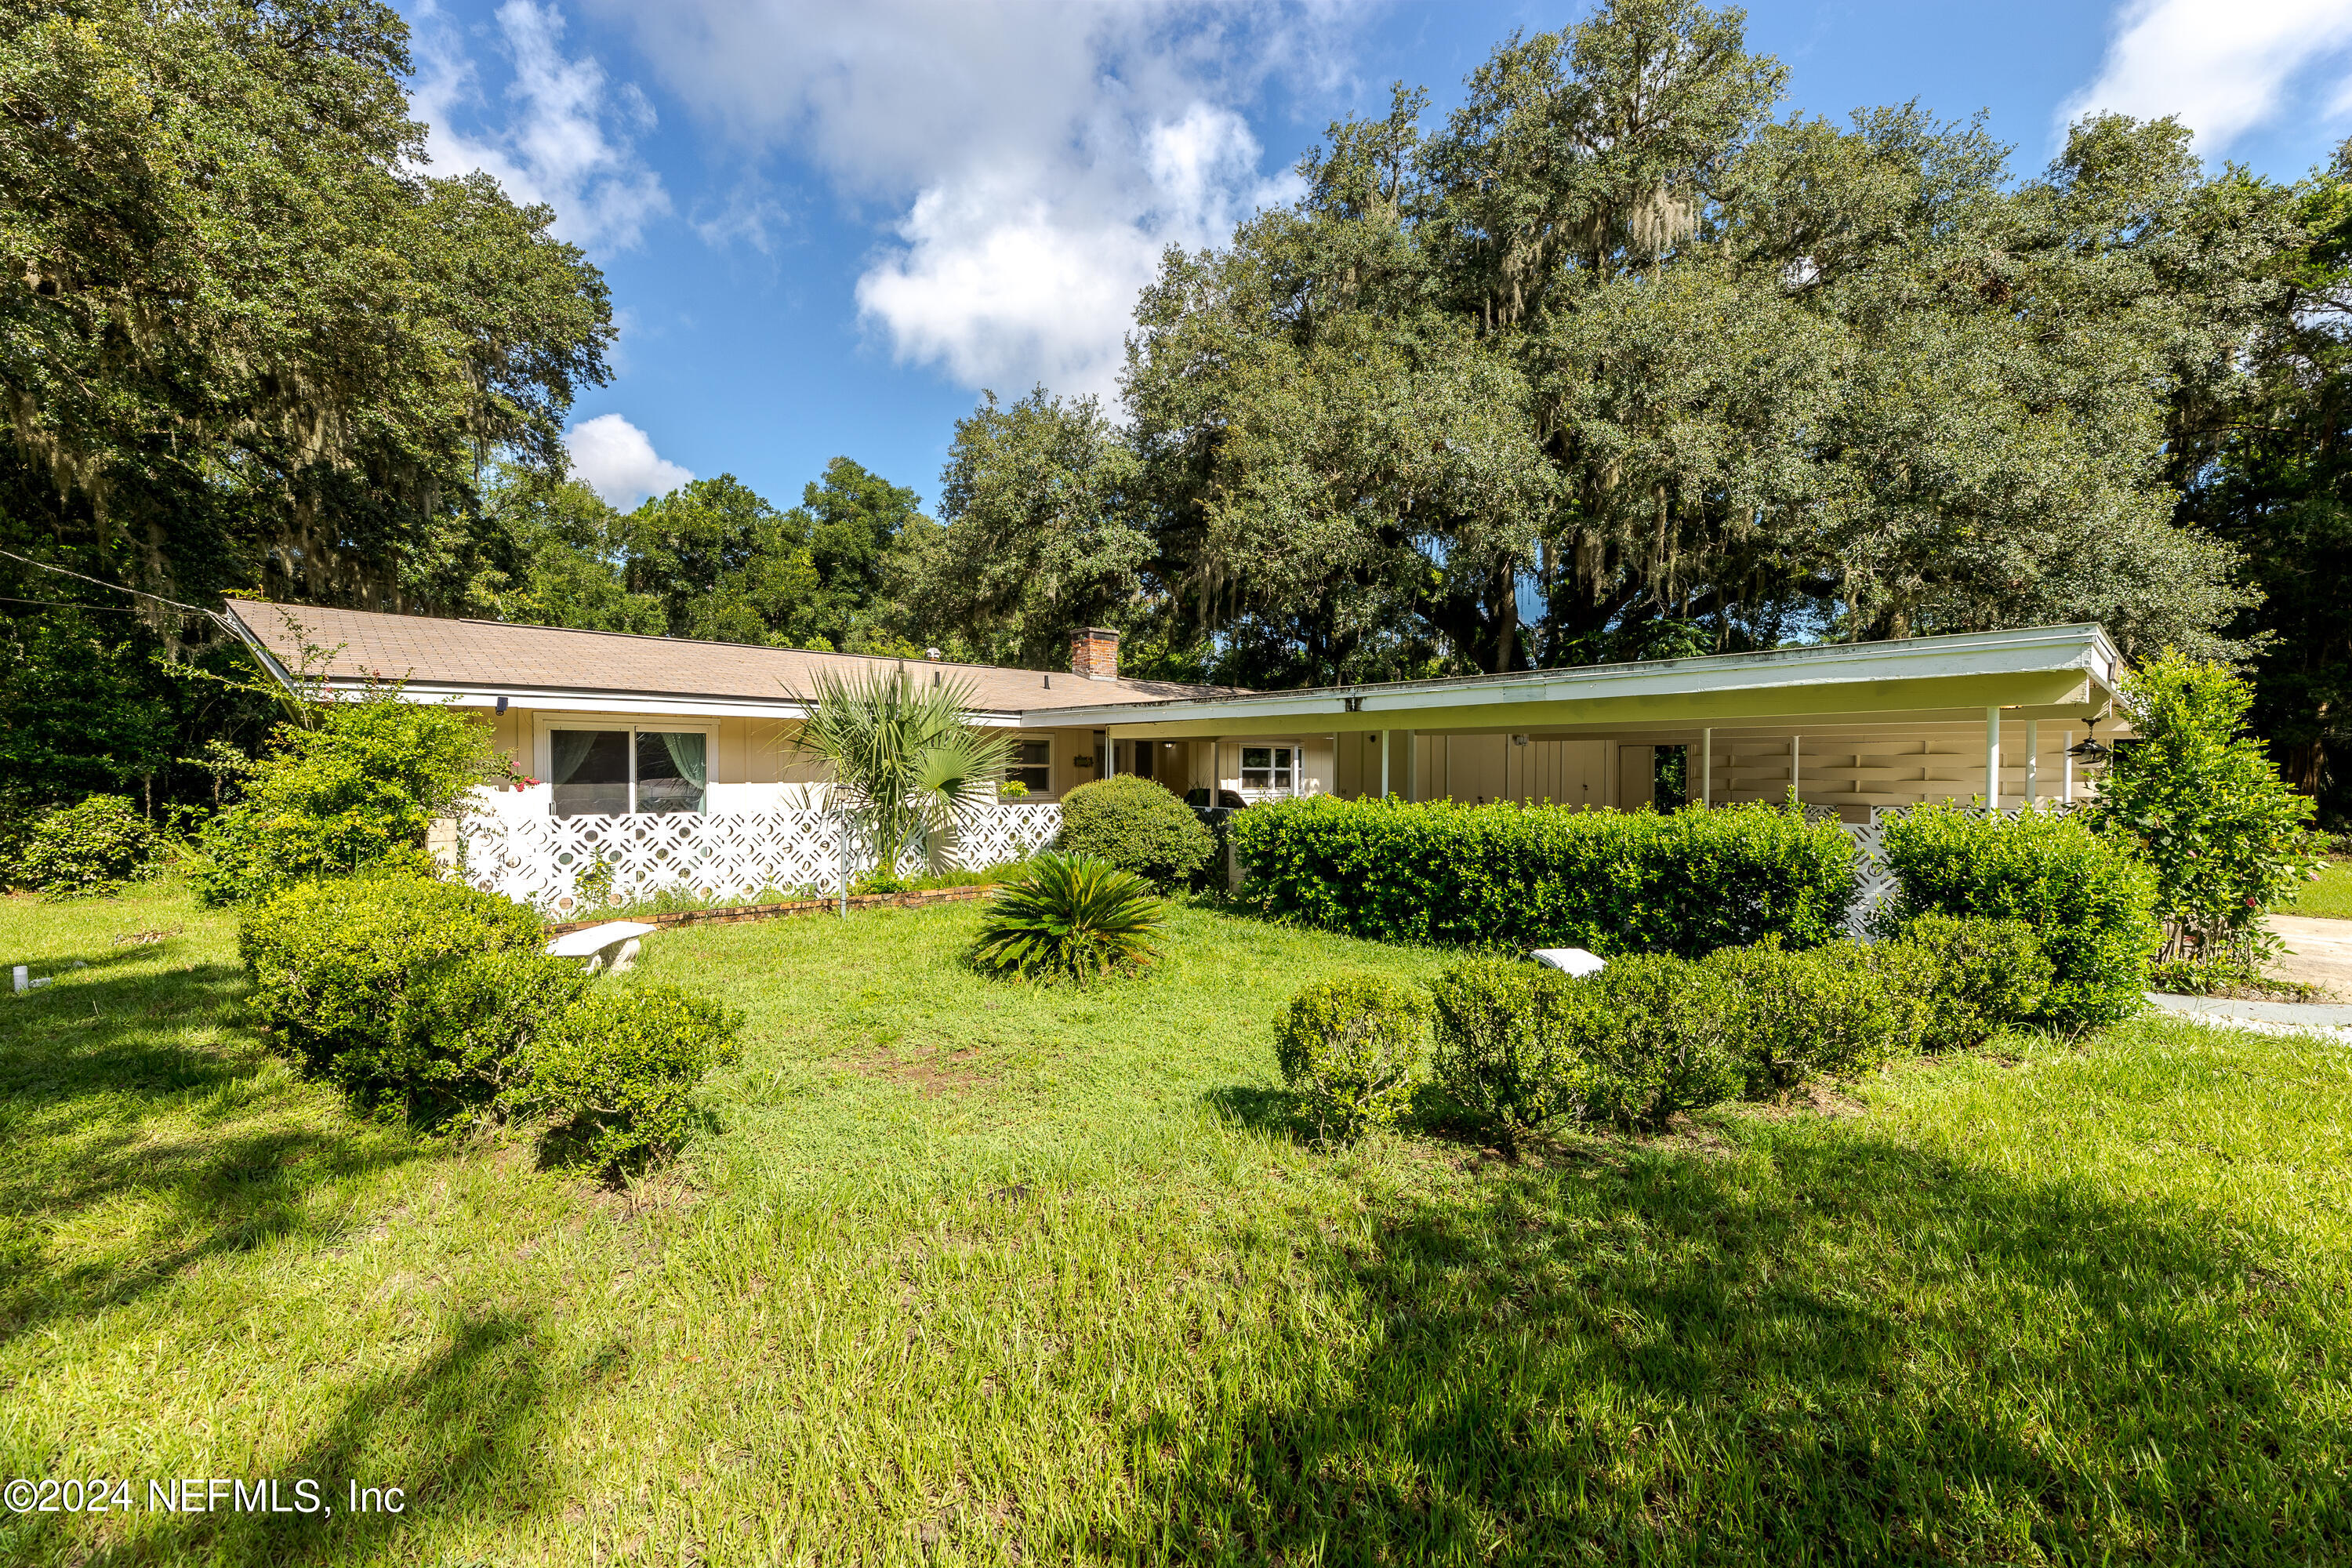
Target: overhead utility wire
{"points": [[101, 583], [229, 623]]}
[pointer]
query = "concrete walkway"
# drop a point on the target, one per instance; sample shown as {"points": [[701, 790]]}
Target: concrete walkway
{"points": [[2221, 1009], [2318, 953]]}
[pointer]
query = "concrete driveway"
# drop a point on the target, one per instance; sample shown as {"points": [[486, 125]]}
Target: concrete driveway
{"points": [[2318, 951]]}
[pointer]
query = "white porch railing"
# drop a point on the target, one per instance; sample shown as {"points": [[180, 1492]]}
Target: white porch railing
{"points": [[546, 861]]}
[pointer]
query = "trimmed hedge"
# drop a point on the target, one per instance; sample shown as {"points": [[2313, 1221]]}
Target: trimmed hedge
{"points": [[2089, 900], [408, 989], [1528, 877], [466, 1028]]}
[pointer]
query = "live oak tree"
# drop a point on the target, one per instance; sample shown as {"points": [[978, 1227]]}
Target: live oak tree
{"points": [[1615, 362], [2266, 463], [713, 559], [244, 343], [242, 340]]}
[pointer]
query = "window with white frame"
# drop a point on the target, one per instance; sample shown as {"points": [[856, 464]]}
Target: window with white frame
{"points": [[1270, 768], [1031, 765], [621, 772]]}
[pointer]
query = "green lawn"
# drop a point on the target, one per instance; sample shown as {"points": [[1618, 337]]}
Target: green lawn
{"points": [[2331, 895], [975, 1273]]}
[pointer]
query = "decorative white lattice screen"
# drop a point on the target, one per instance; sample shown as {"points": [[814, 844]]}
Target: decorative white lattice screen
{"points": [[1873, 879], [540, 860]]}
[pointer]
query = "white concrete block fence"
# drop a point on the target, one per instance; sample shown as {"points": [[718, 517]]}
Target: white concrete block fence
{"points": [[540, 860], [537, 859]]}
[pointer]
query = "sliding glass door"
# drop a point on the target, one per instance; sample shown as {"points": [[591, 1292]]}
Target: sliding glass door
{"points": [[671, 773], [591, 772], [617, 772]]}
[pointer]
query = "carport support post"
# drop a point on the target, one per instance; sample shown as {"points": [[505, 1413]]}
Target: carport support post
{"points": [[2033, 752], [1706, 769], [1992, 759], [1388, 740]]}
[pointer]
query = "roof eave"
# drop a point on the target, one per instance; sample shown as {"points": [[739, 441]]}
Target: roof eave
{"points": [[565, 700], [2038, 650]]}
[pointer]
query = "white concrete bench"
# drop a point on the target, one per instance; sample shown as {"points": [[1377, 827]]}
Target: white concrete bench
{"points": [[613, 945], [1574, 960]]}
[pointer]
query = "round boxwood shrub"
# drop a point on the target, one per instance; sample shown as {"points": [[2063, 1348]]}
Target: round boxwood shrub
{"points": [[616, 1075], [1511, 1040], [1970, 976], [94, 846], [332, 961], [1665, 1046], [1348, 1049], [1136, 826]]}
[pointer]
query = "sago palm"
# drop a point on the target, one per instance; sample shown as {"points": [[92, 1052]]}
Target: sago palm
{"points": [[908, 767], [1068, 916]]}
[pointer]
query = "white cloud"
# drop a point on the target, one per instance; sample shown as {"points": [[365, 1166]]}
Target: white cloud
{"points": [[998, 281], [618, 462], [2224, 66], [568, 136], [751, 213], [1037, 156]]}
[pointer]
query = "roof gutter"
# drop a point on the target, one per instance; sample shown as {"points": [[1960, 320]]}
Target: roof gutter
{"points": [[2041, 650], [236, 625]]}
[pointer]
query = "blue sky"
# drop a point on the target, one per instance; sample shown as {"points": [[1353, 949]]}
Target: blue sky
{"points": [[827, 224]]}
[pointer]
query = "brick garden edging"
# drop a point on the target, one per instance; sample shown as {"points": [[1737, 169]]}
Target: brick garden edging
{"points": [[778, 912]]}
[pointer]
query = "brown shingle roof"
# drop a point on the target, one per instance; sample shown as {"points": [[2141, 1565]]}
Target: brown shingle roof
{"points": [[493, 655]]}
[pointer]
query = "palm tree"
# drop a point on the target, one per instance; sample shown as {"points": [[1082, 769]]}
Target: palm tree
{"points": [[908, 767]]}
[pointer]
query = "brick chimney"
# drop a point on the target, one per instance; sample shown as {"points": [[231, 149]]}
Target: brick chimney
{"points": [[1094, 653]]}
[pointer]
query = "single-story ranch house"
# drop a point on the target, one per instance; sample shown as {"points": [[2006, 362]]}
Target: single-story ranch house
{"points": [[612, 726]]}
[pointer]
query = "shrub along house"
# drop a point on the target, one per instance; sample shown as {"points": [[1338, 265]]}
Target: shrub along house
{"points": [[1848, 726], [675, 761]]}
